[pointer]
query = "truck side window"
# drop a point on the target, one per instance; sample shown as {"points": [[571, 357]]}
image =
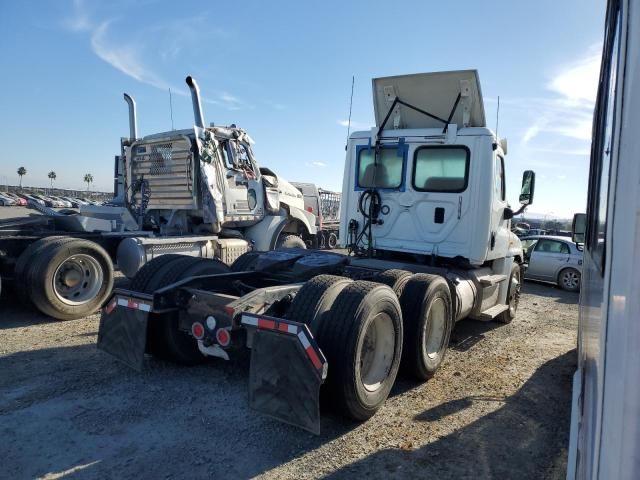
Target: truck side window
{"points": [[603, 145], [385, 173], [500, 184], [441, 169]]}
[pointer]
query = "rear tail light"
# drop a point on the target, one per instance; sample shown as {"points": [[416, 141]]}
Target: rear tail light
{"points": [[223, 337], [197, 329]]}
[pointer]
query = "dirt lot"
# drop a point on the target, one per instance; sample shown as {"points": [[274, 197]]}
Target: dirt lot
{"points": [[499, 408]]}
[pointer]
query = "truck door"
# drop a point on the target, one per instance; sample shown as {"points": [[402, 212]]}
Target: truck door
{"points": [[500, 231], [244, 197]]}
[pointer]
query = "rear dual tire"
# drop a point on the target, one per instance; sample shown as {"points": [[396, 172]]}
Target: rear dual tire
{"points": [[428, 320], [358, 326], [65, 278]]}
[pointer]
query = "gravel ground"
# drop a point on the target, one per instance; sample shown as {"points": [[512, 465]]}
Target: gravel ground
{"points": [[499, 408]]}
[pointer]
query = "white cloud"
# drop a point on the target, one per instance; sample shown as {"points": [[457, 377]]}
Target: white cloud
{"points": [[164, 40], [569, 112], [316, 164], [578, 84], [354, 124], [79, 21], [125, 58]]}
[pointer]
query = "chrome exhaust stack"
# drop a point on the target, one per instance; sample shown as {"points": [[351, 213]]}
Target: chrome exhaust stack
{"points": [[195, 99], [133, 123]]}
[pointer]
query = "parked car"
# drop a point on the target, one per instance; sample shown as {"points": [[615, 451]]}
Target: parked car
{"points": [[32, 199], [64, 203], [6, 201], [74, 202], [48, 201], [79, 201], [19, 200], [553, 259]]}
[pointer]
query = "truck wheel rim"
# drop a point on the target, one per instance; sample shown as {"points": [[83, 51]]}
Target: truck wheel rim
{"points": [[376, 352], [435, 328], [570, 280], [78, 279]]}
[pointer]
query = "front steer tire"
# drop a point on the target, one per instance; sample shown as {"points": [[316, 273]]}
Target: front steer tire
{"points": [[361, 338], [513, 295], [290, 241]]}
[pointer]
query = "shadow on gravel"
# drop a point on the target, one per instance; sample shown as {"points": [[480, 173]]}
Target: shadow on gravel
{"points": [[525, 438], [468, 333], [464, 336], [77, 408], [16, 314]]}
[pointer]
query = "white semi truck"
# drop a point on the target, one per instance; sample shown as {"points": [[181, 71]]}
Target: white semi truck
{"points": [[197, 192], [425, 217], [605, 415]]}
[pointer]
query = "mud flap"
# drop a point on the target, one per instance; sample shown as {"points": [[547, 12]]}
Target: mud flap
{"points": [[123, 330], [286, 372]]}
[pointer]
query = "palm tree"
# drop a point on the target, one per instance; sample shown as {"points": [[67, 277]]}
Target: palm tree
{"points": [[21, 172], [52, 177], [88, 178]]}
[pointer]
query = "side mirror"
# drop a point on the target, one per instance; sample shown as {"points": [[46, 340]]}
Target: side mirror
{"points": [[579, 227], [528, 187], [503, 145]]}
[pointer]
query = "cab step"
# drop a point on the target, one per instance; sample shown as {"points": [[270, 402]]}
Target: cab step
{"points": [[493, 312], [490, 280]]}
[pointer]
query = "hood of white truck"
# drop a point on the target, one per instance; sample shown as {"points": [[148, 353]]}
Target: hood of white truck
{"points": [[289, 194], [435, 93]]}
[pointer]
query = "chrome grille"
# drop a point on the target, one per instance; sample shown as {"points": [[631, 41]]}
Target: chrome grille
{"points": [[168, 168]]}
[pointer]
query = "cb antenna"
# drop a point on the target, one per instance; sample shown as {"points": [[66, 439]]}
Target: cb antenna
{"points": [[171, 108], [353, 79], [498, 117]]}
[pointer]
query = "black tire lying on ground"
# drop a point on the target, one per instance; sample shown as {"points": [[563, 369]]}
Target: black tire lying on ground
{"points": [[290, 241], [428, 320], [361, 338], [394, 278], [70, 278], [314, 300]]}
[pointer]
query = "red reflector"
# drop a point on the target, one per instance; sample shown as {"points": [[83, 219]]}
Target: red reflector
{"points": [[314, 358], [229, 311], [268, 324], [283, 327], [198, 330], [309, 209], [109, 308], [223, 337]]}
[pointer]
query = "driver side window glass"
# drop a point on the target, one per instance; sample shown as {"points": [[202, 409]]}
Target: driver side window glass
{"points": [[386, 172]]}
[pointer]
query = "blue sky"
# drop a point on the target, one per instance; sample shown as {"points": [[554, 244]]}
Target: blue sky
{"points": [[282, 70]]}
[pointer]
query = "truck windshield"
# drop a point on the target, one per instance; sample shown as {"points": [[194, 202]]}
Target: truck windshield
{"points": [[441, 169], [386, 172]]}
